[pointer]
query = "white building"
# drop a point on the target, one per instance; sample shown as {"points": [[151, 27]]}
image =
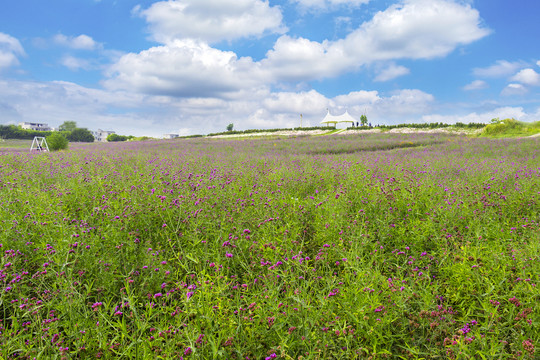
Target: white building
{"points": [[35, 126], [101, 135], [170, 136]]}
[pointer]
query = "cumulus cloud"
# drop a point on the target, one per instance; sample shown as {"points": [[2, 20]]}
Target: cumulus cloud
{"points": [[296, 103], [405, 105], [514, 89], [185, 68], [10, 49], [298, 59], [137, 114], [415, 29], [210, 20], [326, 4], [517, 113], [59, 101], [476, 85], [81, 42], [357, 98], [75, 64], [527, 77], [501, 68], [391, 72]]}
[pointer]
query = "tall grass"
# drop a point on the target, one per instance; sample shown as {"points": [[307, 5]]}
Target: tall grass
{"points": [[510, 128], [272, 248]]}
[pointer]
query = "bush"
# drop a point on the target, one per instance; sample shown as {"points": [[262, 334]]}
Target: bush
{"points": [[503, 127], [15, 132], [56, 141], [80, 135], [116, 137]]}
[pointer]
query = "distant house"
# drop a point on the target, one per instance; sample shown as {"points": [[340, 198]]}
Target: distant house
{"points": [[101, 135], [35, 126], [170, 136]]}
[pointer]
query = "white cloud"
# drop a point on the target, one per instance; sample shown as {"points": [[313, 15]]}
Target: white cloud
{"points": [[514, 89], [325, 4], [416, 29], [185, 68], [476, 85], [501, 68], [357, 98], [56, 102], [10, 48], [405, 105], [297, 103], [81, 42], [538, 63], [527, 77], [75, 64], [485, 117], [302, 59], [391, 72], [211, 20]]}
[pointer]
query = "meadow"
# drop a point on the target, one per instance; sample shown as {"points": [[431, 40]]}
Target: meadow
{"points": [[379, 246]]}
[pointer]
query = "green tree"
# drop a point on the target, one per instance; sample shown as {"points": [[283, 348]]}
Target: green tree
{"points": [[80, 135], [57, 141], [116, 137], [363, 120], [230, 127], [68, 126]]}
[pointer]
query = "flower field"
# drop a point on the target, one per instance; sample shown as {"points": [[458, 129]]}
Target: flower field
{"points": [[380, 246]]}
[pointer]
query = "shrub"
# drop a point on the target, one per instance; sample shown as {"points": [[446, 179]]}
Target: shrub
{"points": [[80, 135], [503, 127], [57, 141], [116, 137]]}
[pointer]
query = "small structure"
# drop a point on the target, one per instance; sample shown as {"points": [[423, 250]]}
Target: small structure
{"points": [[170, 136], [101, 135], [35, 126], [343, 118], [39, 144]]}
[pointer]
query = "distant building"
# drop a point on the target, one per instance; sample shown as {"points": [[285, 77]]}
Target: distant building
{"points": [[101, 135], [35, 126], [170, 136]]}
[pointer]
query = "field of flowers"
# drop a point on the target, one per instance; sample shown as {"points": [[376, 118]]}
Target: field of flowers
{"points": [[381, 246]]}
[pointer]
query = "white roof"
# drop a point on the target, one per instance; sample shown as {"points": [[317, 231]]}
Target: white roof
{"points": [[331, 119]]}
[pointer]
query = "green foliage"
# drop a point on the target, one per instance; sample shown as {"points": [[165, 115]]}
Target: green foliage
{"points": [[140, 138], [80, 135], [68, 126], [117, 138], [363, 120], [272, 248], [15, 132], [255, 131], [230, 127], [435, 125], [510, 128], [190, 136], [57, 141]]}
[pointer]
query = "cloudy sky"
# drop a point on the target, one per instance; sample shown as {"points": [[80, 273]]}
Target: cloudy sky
{"points": [[143, 67]]}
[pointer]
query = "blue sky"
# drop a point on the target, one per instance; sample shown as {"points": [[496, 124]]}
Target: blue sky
{"points": [[194, 66]]}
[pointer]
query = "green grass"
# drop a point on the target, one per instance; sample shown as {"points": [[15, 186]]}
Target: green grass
{"points": [[338, 247], [510, 128], [15, 144]]}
